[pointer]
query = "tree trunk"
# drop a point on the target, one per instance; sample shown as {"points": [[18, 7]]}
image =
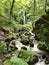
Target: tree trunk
{"points": [[12, 7], [34, 6]]}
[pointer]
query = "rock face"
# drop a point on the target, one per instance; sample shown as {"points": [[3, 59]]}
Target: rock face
{"points": [[1, 35]]}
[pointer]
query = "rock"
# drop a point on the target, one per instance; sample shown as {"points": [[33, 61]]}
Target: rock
{"points": [[32, 34], [25, 41], [43, 56], [1, 38], [47, 60], [24, 48], [31, 45], [1, 33], [34, 60], [19, 44], [7, 40], [2, 58], [13, 45]]}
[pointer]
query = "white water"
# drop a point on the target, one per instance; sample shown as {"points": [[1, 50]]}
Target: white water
{"points": [[24, 20], [35, 48], [40, 62]]}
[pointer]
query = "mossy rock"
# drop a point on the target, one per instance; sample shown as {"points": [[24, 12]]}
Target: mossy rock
{"points": [[7, 56], [24, 48], [35, 60], [31, 45], [25, 41]]}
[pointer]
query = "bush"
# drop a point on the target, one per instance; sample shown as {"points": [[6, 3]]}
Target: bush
{"points": [[7, 62], [2, 47], [43, 46], [17, 61], [26, 55], [25, 41], [7, 56], [14, 61]]}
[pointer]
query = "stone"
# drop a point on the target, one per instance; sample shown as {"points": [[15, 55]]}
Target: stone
{"points": [[35, 60], [1, 33], [1, 38], [31, 45], [47, 60], [24, 48], [43, 56]]}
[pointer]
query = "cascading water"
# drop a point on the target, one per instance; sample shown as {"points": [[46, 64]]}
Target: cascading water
{"points": [[41, 61], [24, 20]]}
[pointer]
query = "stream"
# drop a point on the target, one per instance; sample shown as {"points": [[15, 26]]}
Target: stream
{"points": [[39, 53]]}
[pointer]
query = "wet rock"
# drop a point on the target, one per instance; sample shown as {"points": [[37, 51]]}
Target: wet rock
{"points": [[7, 56], [32, 34], [43, 56], [12, 38], [31, 45], [1, 33], [13, 45], [25, 41], [35, 60], [24, 48], [2, 58], [8, 40], [47, 60], [1, 38]]}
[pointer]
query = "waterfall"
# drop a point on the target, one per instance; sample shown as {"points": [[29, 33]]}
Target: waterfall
{"points": [[24, 15]]}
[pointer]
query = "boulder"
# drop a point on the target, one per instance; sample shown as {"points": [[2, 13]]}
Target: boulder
{"points": [[24, 48], [35, 60], [47, 60]]}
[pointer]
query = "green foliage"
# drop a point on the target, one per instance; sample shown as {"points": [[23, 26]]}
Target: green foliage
{"points": [[2, 47], [43, 46], [17, 13], [7, 62], [25, 41], [26, 55], [42, 31], [14, 61], [17, 61], [7, 56], [42, 28]]}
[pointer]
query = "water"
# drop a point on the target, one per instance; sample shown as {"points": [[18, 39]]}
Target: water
{"points": [[24, 21], [41, 61]]}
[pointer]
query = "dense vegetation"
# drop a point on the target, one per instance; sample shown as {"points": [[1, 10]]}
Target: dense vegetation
{"points": [[17, 19]]}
